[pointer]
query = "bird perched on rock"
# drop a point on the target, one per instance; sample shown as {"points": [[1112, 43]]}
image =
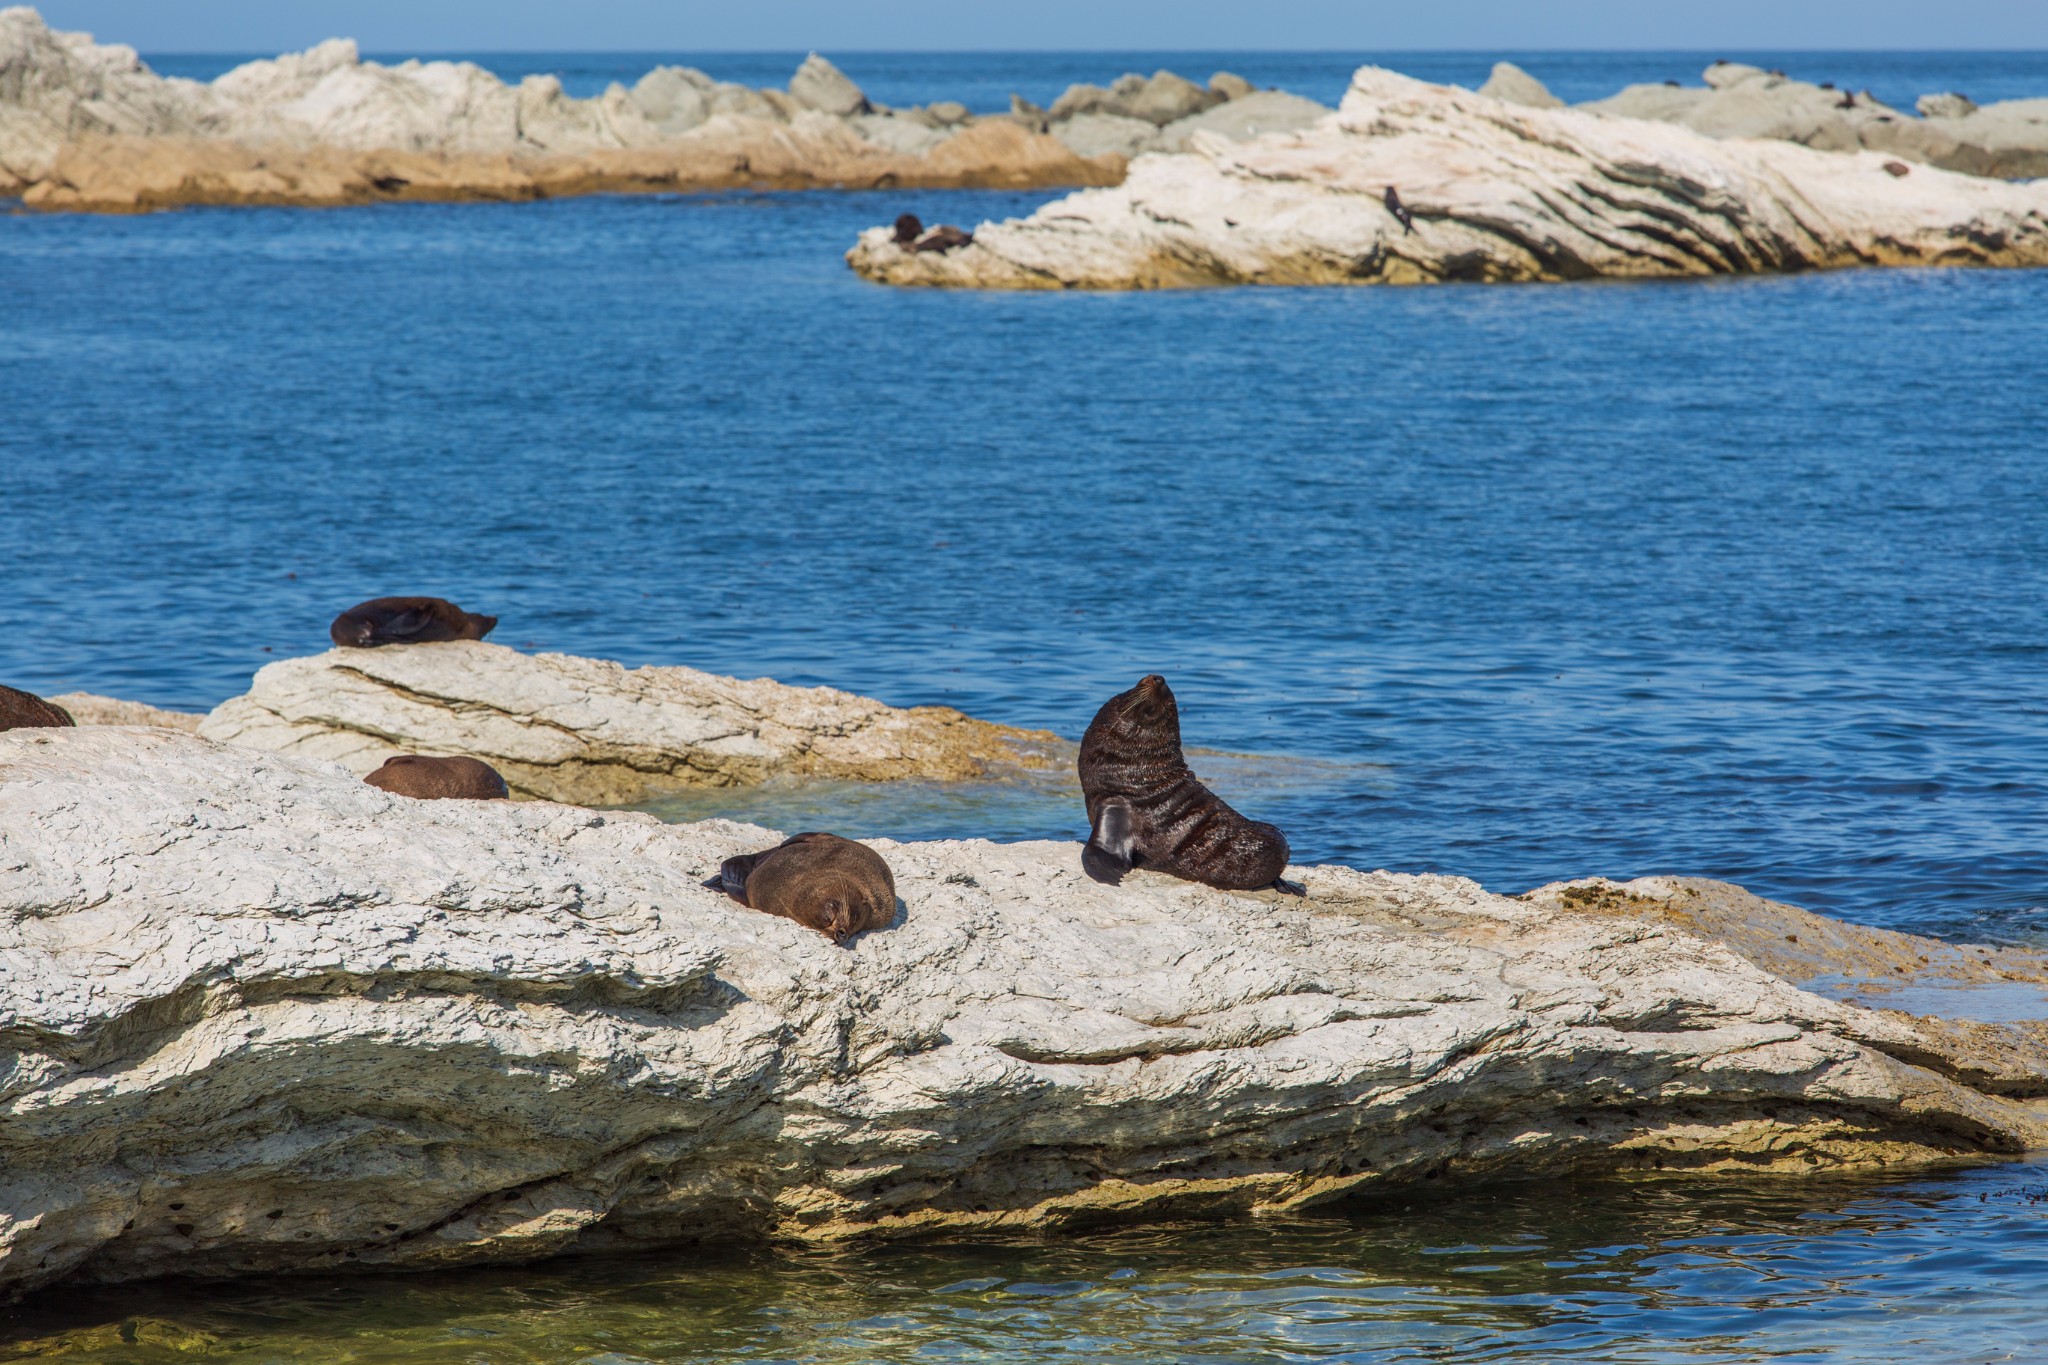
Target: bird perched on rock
{"points": [[1848, 100], [1399, 210]]}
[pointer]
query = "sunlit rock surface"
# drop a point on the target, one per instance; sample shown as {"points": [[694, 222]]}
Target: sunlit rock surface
{"points": [[1496, 191], [260, 1016], [593, 731]]}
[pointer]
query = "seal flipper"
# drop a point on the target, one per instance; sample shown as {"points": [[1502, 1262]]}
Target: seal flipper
{"points": [[732, 875], [1107, 854], [1287, 888]]}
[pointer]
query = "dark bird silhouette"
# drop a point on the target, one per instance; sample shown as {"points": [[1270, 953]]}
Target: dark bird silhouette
{"points": [[1399, 210], [1848, 101]]}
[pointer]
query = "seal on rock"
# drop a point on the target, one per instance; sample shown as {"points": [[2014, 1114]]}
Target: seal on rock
{"points": [[21, 710], [1147, 809], [944, 237], [909, 227], [1399, 210], [407, 621], [432, 779], [830, 884]]}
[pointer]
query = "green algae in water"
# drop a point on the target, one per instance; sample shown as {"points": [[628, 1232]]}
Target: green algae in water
{"points": [[1939, 1268]]}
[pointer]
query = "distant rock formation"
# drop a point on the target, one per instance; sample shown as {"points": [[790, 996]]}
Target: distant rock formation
{"points": [[598, 733], [2006, 141], [1496, 191], [1516, 86], [335, 1029], [90, 127]]}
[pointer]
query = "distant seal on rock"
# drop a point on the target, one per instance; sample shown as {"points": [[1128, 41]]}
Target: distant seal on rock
{"points": [[944, 237], [407, 621], [1399, 210], [827, 883], [908, 229], [1146, 809], [1895, 169], [21, 710], [433, 779]]}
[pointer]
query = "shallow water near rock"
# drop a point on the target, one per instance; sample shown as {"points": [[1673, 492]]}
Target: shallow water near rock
{"points": [[1739, 579], [1621, 1271]]}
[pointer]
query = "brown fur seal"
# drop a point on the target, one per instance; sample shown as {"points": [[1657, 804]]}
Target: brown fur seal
{"points": [[831, 884], [944, 237], [908, 229], [407, 621], [1146, 809], [26, 711], [429, 779]]}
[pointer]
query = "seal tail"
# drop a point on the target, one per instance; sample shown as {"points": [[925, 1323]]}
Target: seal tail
{"points": [[1107, 854]]}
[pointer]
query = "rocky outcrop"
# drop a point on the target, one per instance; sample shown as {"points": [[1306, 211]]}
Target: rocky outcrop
{"points": [[259, 1016], [2008, 140], [1510, 83], [1162, 113], [84, 126], [1497, 192], [592, 731], [90, 127], [88, 709]]}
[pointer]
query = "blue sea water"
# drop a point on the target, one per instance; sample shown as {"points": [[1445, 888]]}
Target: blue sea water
{"points": [[1741, 578]]}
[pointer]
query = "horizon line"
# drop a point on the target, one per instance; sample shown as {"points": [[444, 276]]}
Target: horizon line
{"points": [[1111, 51]]}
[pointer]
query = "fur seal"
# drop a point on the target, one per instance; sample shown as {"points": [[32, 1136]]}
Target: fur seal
{"points": [[1146, 809], [1399, 210], [429, 779], [407, 621], [908, 229], [26, 711], [828, 883], [1895, 169], [944, 237]]}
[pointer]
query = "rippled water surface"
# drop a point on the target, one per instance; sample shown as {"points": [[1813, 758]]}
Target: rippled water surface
{"points": [[1742, 578], [1642, 1272]]}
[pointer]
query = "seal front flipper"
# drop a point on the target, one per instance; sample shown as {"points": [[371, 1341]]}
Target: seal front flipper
{"points": [[1287, 888], [1107, 854]]}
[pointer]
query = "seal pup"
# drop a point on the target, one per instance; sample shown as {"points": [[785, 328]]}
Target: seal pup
{"points": [[435, 779], [1400, 210], [21, 710], [827, 883], [407, 621], [1146, 809]]}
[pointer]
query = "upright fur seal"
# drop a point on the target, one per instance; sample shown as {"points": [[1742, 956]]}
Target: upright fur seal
{"points": [[26, 711], [1146, 809], [429, 779], [1399, 210], [909, 227], [828, 883], [407, 621]]}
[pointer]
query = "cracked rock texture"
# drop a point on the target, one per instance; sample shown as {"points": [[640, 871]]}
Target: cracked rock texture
{"points": [[259, 1016], [599, 733], [89, 709], [1498, 191]]}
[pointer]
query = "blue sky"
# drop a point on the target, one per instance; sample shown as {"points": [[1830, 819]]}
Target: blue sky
{"points": [[852, 25]]}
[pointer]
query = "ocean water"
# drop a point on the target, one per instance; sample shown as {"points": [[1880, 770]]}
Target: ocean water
{"points": [[1739, 578]]}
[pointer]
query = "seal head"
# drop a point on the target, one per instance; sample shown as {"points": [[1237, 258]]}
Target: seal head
{"points": [[1147, 809], [432, 779], [827, 883], [26, 711], [908, 229], [407, 621]]}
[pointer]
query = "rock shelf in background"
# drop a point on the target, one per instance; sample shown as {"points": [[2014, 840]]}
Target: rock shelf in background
{"points": [[596, 732], [1498, 192], [261, 1017]]}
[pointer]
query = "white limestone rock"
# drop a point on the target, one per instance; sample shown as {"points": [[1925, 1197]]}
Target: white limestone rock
{"points": [[89, 709], [1253, 115], [1498, 192], [336, 1028], [1509, 82], [1096, 134], [590, 730], [824, 87]]}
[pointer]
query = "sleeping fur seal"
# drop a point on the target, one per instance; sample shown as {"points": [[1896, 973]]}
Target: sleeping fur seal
{"points": [[1146, 809], [429, 779], [407, 621], [26, 711], [831, 884]]}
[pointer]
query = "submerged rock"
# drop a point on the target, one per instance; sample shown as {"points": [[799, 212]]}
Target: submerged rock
{"points": [[1496, 192], [335, 1028], [589, 730]]}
